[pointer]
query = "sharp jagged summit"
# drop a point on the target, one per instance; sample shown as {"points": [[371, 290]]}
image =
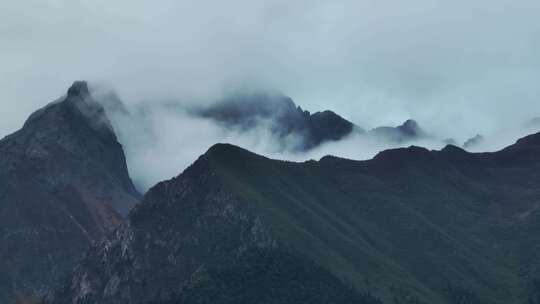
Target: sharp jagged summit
{"points": [[79, 88]]}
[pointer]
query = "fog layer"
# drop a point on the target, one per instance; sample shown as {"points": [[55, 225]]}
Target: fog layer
{"points": [[162, 139]]}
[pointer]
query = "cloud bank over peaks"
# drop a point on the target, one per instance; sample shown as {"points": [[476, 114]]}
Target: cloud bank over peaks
{"points": [[163, 138]]}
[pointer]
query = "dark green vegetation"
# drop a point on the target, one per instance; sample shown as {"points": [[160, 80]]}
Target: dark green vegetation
{"points": [[63, 185], [267, 276], [409, 226]]}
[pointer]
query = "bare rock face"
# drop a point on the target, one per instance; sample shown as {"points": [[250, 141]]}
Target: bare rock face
{"points": [[63, 184]]}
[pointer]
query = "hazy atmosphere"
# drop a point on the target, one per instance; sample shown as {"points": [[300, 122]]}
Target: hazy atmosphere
{"points": [[459, 68]]}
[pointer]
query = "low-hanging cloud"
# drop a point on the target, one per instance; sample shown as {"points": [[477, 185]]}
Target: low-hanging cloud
{"points": [[162, 138], [160, 141]]}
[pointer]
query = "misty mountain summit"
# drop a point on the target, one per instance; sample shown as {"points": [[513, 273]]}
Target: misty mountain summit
{"points": [[79, 89], [282, 116], [408, 131], [411, 128], [63, 185]]}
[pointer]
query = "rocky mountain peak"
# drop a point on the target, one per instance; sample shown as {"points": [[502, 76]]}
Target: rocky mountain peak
{"points": [[285, 118], [63, 185], [410, 126], [411, 129], [74, 111], [79, 88]]}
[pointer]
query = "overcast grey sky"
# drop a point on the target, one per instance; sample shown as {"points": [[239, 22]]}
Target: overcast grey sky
{"points": [[460, 67]]}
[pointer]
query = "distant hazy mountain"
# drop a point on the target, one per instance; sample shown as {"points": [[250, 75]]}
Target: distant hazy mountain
{"points": [[282, 116], [408, 131], [410, 226], [63, 184]]}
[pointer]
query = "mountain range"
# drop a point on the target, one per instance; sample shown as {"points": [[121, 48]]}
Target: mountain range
{"points": [[411, 225], [284, 118]]}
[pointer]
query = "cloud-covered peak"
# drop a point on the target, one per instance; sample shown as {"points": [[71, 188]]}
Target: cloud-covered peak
{"points": [[281, 116], [79, 88]]}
